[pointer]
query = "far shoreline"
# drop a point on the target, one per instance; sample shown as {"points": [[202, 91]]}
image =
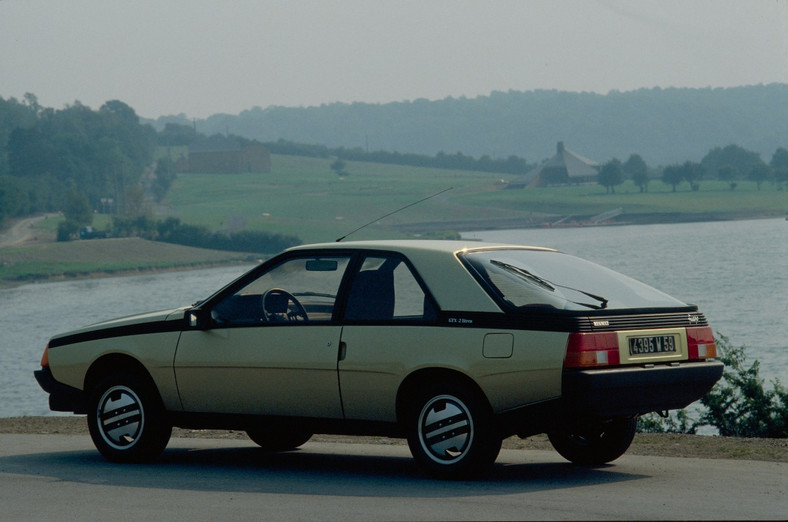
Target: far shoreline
{"points": [[581, 221], [459, 227]]}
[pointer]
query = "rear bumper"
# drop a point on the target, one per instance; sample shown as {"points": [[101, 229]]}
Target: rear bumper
{"points": [[634, 391], [61, 396]]}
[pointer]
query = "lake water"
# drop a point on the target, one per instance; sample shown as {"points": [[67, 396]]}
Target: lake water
{"points": [[735, 271]]}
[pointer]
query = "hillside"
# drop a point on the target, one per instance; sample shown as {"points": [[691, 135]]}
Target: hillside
{"points": [[664, 126]]}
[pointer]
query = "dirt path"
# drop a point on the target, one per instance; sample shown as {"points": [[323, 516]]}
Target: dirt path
{"points": [[21, 231]]}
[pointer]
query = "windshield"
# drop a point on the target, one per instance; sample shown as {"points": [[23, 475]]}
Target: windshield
{"points": [[538, 278]]}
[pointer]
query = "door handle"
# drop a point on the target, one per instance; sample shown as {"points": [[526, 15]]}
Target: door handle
{"points": [[342, 351]]}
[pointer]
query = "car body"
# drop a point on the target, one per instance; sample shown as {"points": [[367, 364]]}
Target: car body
{"points": [[453, 345]]}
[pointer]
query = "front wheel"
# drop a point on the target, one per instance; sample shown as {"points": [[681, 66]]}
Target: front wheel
{"points": [[126, 419], [452, 432], [596, 443]]}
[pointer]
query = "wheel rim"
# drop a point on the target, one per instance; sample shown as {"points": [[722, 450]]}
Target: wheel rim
{"points": [[445, 429], [120, 417]]}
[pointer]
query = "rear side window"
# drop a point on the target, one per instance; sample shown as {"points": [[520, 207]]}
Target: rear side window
{"points": [[525, 278], [385, 289]]}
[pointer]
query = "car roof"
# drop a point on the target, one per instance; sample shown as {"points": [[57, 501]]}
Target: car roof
{"points": [[414, 245], [437, 263]]}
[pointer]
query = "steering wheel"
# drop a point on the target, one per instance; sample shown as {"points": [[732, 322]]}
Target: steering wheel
{"points": [[279, 305]]}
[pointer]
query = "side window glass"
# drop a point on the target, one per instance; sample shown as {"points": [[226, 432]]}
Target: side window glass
{"points": [[296, 291], [385, 289]]}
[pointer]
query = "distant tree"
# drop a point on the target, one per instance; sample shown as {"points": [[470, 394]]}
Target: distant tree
{"points": [[610, 175], [741, 159], [12, 197], [637, 170], [760, 173], [779, 165], [13, 115], [134, 203], [692, 173], [338, 166], [672, 175], [175, 134], [121, 111], [779, 159], [78, 209], [164, 176], [78, 214], [728, 173]]}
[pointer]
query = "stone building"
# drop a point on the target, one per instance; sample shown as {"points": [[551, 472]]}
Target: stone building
{"points": [[228, 157]]}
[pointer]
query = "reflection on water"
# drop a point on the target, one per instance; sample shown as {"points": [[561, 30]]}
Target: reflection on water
{"points": [[735, 272]]}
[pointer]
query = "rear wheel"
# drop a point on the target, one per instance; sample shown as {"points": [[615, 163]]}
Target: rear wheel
{"points": [[452, 432], [279, 439], [126, 419], [594, 444]]}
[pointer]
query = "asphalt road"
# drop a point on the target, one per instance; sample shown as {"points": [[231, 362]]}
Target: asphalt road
{"points": [[59, 477]]}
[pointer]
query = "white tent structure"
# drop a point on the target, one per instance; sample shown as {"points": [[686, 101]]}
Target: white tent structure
{"points": [[564, 168]]}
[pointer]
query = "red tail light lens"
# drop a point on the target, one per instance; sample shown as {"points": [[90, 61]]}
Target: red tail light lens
{"points": [[700, 343], [592, 349], [45, 357]]}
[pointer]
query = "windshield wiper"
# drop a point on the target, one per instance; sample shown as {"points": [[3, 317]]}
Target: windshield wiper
{"points": [[548, 285], [525, 274]]}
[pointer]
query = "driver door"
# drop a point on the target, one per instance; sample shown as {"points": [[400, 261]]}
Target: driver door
{"points": [[271, 348]]}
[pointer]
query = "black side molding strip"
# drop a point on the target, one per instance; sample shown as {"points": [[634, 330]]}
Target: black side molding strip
{"points": [[118, 331]]}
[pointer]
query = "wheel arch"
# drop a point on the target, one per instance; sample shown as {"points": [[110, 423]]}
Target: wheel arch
{"points": [[116, 362], [412, 385]]}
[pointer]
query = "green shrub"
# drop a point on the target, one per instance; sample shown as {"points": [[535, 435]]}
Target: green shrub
{"points": [[171, 230], [737, 406], [67, 230]]}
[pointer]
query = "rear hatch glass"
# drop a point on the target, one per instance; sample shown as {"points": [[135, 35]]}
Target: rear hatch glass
{"points": [[524, 278]]}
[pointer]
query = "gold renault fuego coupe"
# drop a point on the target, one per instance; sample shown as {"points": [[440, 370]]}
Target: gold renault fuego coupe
{"points": [[452, 345]]}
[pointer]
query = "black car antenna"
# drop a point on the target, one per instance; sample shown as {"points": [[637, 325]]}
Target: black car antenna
{"points": [[394, 212]]}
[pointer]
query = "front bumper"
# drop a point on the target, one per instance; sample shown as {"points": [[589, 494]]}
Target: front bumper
{"points": [[61, 396], [630, 391]]}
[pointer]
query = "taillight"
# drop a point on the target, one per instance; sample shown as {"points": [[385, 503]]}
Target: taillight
{"points": [[700, 343], [45, 357], [592, 349]]}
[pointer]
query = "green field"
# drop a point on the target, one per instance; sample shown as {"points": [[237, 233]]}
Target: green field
{"points": [[303, 197], [47, 260]]}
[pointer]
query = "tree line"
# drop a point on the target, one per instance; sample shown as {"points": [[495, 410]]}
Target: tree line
{"points": [[457, 161], [47, 155], [731, 164], [664, 126]]}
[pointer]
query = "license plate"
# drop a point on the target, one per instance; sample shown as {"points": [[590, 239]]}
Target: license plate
{"points": [[652, 344]]}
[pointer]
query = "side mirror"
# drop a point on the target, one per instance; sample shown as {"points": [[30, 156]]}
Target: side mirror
{"points": [[197, 319]]}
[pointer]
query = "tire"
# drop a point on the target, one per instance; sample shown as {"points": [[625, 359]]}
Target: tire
{"points": [[595, 444], [279, 439], [126, 419], [452, 432]]}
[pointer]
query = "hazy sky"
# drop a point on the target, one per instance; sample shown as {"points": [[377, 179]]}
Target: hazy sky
{"points": [[201, 57]]}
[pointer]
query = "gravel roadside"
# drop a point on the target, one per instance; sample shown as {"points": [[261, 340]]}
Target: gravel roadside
{"points": [[662, 444]]}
